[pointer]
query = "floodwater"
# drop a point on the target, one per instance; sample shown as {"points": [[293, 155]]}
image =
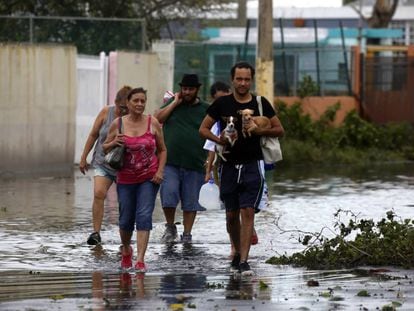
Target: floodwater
{"points": [[45, 263]]}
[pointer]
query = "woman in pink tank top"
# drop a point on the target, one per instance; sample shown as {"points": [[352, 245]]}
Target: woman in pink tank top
{"points": [[139, 179]]}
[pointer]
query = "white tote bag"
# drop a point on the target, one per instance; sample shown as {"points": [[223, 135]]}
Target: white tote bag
{"points": [[271, 150]]}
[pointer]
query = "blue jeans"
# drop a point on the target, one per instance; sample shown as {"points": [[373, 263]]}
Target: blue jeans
{"points": [[136, 205]]}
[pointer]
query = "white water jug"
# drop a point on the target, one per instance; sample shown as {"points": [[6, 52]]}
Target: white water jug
{"points": [[209, 196]]}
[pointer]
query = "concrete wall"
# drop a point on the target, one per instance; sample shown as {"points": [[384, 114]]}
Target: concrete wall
{"points": [[139, 70], [316, 106], [37, 104]]}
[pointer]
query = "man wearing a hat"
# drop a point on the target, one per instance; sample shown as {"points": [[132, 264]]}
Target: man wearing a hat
{"points": [[184, 173]]}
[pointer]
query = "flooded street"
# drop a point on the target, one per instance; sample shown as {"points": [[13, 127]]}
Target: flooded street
{"points": [[45, 263]]}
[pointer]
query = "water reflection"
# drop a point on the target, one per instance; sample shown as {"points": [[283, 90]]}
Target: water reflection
{"points": [[123, 291], [177, 288], [44, 223], [132, 290], [238, 288]]}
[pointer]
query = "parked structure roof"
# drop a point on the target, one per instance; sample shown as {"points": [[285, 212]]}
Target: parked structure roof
{"points": [[305, 35], [405, 11]]}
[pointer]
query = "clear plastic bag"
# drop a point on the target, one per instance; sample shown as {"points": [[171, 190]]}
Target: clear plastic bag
{"points": [[209, 196]]}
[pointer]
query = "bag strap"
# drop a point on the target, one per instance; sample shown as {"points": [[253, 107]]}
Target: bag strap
{"points": [[120, 125], [259, 103], [149, 125]]}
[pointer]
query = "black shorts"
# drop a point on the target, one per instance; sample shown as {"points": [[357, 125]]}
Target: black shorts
{"points": [[241, 185]]}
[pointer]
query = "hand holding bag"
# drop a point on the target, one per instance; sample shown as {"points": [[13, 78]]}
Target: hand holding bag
{"points": [[115, 158], [271, 150]]}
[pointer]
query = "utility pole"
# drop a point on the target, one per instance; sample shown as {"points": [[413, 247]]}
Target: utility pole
{"points": [[242, 12], [264, 52]]}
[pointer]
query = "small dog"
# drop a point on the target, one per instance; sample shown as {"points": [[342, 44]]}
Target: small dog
{"points": [[229, 133], [247, 119]]}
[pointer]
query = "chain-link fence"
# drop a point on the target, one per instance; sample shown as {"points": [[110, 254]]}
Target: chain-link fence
{"points": [[90, 35], [328, 68]]}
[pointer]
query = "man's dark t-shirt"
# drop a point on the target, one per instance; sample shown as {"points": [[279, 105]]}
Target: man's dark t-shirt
{"points": [[245, 149]]}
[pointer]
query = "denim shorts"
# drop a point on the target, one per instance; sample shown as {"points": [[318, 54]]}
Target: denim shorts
{"points": [[183, 185], [241, 185], [104, 172], [136, 205]]}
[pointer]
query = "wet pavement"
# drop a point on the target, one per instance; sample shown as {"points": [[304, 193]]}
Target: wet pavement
{"points": [[45, 263]]}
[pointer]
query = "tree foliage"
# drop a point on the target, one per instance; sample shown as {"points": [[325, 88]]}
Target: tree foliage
{"points": [[382, 12], [355, 141], [157, 14]]}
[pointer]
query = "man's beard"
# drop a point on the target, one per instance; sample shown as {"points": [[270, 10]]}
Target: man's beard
{"points": [[189, 99], [243, 92]]}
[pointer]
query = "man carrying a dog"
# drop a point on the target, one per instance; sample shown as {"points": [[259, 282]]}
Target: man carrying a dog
{"points": [[184, 172], [241, 178]]}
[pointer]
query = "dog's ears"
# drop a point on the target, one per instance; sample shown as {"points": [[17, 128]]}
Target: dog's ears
{"points": [[245, 111], [226, 119]]}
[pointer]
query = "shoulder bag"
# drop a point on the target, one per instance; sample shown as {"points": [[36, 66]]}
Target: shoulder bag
{"points": [[271, 150], [115, 157]]}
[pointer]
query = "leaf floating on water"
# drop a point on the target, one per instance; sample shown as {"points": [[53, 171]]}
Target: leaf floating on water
{"points": [[57, 297], [363, 293], [388, 308], [263, 285], [325, 294], [177, 307]]}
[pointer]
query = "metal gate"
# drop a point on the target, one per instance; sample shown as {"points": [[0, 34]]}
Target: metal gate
{"points": [[388, 87]]}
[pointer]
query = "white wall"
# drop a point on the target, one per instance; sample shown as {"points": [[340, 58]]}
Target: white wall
{"points": [[92, 84], [165, 51]]}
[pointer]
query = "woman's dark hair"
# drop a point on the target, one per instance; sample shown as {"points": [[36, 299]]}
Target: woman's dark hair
{"points": [[219, 86], [137, 90], [242, 65]]}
